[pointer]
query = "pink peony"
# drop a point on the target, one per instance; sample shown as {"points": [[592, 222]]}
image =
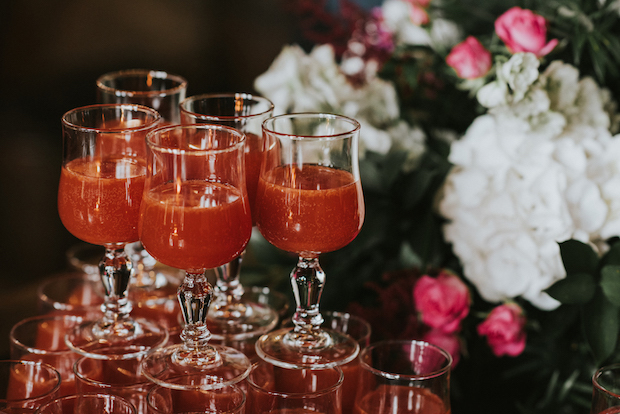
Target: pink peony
{"points": [[448, 342], [504, 328], [524, 31], [470, 59], [442, 301]]}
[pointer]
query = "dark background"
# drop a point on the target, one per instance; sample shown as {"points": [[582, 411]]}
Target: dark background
{"points": [[51, 52]]}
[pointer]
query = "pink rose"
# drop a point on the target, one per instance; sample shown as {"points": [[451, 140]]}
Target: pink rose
{"points": [[448, 342], [442, 301], [524, 31], [470, 59], [418, 15], [504, 328]]}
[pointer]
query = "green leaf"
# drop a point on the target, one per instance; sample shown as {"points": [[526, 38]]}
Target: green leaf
{"points": [[578, 257], [600, 325], [610, 283], [574, 289], [612, 257]]}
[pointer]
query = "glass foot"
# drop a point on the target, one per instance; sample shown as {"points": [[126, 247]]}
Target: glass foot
{"points": [[241, 320], [127, 339], [218, 366], [324, 349]]}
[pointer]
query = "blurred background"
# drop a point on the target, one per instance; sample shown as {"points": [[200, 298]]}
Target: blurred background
{"points": [[50, 55]]}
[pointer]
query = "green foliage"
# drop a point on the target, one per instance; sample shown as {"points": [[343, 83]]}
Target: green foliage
{"points": [[593, 284]]}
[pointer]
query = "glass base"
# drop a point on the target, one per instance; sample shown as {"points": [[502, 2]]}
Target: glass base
{"points": [[242, 320], [132, 338], [218, 366], [325, 349]]}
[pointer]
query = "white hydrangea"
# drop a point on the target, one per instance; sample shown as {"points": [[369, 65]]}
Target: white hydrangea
{"points": [[533, 172], [314, 82]]}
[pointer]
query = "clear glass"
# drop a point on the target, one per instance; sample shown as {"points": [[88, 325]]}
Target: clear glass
{"points": [[234, 316], [99, 195], [116, 377], [195, 216], [309, 201], [226, 400], [153, 287], [75, 293], [272, 389], [358, 329], [26, 385], [405, 377], [88, 403], [156, 89], [606, 390], [41, 339]]}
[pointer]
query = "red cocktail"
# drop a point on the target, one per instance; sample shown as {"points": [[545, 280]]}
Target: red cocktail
{"points": [[208, 221], [309, 201], [99, 199], [310, 209], [400, 399], [195, 216], [99, 195], [233, 316]]}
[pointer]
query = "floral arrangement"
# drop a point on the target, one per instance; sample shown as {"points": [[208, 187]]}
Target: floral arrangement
{"points": [[490, 162]]}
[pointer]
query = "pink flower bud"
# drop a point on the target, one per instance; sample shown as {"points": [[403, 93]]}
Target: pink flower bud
{"points": [[524, 31], [470, 59], [504, 328], [442, 301]]}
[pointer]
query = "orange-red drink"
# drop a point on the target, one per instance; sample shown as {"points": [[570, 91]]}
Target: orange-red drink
{"points": [[99, 199], [195, 224], [400, 399], [313, 209], [253, 161]]}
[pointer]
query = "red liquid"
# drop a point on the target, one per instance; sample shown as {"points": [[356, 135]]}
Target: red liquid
{"points": [[400, 399], [310, 391], [190, 401], [51, 337], [253, 161], [99, 200], [26, 383], [350, 384], [212, 227], [311, 210]]}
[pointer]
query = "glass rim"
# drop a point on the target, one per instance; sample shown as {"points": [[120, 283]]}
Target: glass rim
{"points": [[74, 317], [162, 129], [235, 387], [395, 376], [131, 107], [242, 95], [597, 375], [44, 298], [158, 74], [89, 395], [45, 365], [292, 395], [355, 126], [102, 384]]}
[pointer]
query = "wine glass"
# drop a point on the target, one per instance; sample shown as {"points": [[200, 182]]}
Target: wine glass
{"points": [[163, 92], [309, 201], [99, 194], [232, 314], [27, 385], [195, 216]]}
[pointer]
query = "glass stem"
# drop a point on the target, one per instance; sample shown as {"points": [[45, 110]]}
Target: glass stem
{"points": [[195, 294], [116, 270], [228, 291], [308, 280]]}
